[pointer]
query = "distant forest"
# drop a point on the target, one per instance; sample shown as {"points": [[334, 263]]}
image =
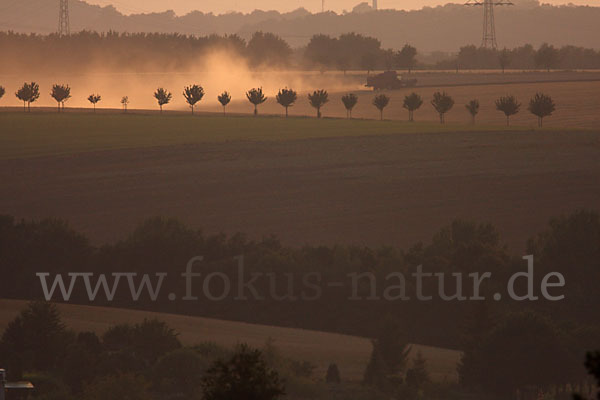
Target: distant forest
{"points": [[153, 52], [444, 28]]}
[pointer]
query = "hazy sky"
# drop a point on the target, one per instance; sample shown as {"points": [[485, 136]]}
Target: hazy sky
{"points": [[221, 6]]}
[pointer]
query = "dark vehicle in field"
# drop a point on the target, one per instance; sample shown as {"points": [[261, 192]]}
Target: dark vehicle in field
{"points": [[389, 80]]}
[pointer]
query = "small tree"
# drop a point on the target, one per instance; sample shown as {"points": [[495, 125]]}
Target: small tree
{"points": [[256, 97], [509, 106], [61, 93], [349, 101], [28, 94], [163, 97], [318, 99], [286, 97], [442, 104], [125, 102], [407, 57], [473, 108], [224, 98], [2, 91], [542, 106], [23, 94], [333, 374], [412, 102], [245, 375], [94, 99], [504, 58], [193, 94], [381, 101]]}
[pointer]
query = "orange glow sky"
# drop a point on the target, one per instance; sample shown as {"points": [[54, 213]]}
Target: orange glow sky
{"points": [[222, 6]]}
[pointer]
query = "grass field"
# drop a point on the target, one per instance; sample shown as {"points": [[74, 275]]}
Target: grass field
{"points": [[305, 180], [48, 133], [349, 352]]}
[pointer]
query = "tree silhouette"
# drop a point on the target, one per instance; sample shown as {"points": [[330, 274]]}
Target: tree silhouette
{"points": [[417, 375], [286, 97], [509, 106], [504, 58], [333, 374], [406, 58], [61, 93], [541, 106], [224, 98], [592, 364], [94, 99], [2, 91], [193, 94], [349, 101], [368, 62], [36, 339], [546, 56], [318, 99], [244, 376], [256, 97], [28, 94], [473, 108], [163, 97], [389, 356], [412, 102], [442, 104], [381, 101], [125, 102]]}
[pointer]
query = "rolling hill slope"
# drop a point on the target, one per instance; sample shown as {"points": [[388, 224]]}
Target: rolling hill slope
{"points": [[351, 353]]}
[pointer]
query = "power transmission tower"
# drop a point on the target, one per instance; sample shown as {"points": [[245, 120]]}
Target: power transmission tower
{"points": [[489, 27], [63, 18], [374, 4], [322, 6]]}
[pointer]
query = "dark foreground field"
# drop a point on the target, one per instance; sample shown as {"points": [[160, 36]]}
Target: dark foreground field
{"points": [[305, 180]]}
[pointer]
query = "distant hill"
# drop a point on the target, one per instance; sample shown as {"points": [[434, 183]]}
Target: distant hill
{"points": [[444, 28]]}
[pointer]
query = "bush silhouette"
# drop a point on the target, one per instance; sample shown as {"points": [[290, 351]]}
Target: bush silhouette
{"points": [[244, 376]]}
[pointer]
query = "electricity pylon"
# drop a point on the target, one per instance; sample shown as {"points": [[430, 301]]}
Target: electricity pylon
{"points": [[63, 18], [489, 27]]}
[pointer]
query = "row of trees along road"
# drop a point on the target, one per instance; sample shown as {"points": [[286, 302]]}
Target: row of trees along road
{"points": [[540, 105]]}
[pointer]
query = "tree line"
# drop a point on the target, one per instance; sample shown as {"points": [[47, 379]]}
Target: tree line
{"points": [[540, 105], [569, 245], [351, 51]]}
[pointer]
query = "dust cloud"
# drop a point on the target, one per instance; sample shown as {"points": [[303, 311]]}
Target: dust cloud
{"points": [[216, 71]]}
